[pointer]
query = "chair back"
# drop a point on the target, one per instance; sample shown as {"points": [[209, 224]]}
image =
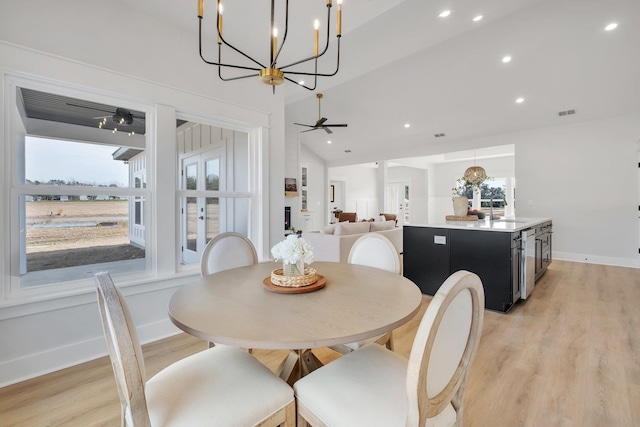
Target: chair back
{"points": [[124, 350], [348, 216], [375, 250], [444, 346], [226, 251]]}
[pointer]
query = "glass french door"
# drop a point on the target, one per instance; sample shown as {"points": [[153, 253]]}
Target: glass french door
{"points": [[202, 218]]}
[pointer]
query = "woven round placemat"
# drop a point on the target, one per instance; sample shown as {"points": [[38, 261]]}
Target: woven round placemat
{"points": [[279, 279]]}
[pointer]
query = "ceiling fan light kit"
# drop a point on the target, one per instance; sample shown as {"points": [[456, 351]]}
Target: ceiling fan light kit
{"points": [[270, 73]]}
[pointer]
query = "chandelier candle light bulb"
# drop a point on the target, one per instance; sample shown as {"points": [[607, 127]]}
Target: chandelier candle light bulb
{"points": [[316, 34]]}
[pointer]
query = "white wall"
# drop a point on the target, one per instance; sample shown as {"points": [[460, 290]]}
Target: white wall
{"points": [[585, 176], [360, 189], [94, 46]]}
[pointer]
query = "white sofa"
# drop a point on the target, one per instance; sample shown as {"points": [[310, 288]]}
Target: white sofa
{"points": [[334, 242]]}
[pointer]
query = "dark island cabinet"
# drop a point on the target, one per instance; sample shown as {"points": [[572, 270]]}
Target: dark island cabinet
{"points": [[426, 257], [432, 254]]}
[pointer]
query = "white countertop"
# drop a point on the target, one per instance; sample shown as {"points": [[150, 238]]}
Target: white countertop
{"points": [[508, 225]]}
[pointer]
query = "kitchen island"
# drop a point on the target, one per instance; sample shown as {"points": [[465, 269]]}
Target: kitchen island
{"points": [[493, 249]]}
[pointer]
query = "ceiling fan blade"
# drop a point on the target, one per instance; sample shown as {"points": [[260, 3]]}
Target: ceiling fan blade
{"points": [[326, 129], [339, 125], [321, 121], [309, 130], [302, 124]]}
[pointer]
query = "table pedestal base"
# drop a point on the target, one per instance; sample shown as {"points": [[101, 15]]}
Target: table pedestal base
{"points": [[297, 364]]}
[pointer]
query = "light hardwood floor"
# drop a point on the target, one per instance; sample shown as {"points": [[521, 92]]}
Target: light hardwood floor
{"points": [[568, 356]]}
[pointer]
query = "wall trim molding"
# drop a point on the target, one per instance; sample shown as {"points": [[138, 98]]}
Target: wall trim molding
{"points": [[55, 359], [595, 259]]}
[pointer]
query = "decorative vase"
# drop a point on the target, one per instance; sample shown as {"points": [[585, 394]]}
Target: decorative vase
{"points": [[460, 205], [296, 269]]}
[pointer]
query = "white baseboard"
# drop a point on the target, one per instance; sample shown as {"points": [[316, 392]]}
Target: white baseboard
{"points": [[593, 259], [34, 365]]}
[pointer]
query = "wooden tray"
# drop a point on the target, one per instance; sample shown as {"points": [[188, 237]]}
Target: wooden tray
{"points": [[461, 218], [319, 284]]}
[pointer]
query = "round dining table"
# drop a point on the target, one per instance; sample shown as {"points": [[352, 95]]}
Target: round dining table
{"points": [[235, 307]]}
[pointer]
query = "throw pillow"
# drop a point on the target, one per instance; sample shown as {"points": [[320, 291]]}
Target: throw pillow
{"points": [[328, 229], [345, 228], [381, 226]]}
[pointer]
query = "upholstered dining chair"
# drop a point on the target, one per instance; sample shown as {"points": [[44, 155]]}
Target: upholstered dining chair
{"points": [[220, 386], [377, 387], [226, 251], [373, 250], [348, 216], [390, 217]]}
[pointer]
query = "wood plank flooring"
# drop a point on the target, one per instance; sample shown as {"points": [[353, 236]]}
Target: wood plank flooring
{"points": [[568, 356]]}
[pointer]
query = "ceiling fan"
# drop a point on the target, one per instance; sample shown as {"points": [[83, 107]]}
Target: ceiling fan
{"points": [[120, 116], [320, 123]]}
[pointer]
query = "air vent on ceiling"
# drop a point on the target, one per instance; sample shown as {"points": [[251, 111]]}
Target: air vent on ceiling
{"points": [[439, 135], [566, 113]]}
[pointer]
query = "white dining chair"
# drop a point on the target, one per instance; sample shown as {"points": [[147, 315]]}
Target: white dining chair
{"points": [[225, 251], [373, 250], [220, 386], [377, 387]]}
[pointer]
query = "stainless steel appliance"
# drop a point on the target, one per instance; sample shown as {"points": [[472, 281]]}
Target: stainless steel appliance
{"points": [[528, 270], [516, 266]]}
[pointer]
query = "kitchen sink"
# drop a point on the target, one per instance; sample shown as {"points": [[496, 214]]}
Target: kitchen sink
{"points": [[517, 221]]}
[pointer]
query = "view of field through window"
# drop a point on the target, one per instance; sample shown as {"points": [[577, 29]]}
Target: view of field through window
{"points": [[66, 230]]}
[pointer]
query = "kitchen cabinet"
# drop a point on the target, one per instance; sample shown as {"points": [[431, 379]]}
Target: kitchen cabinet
{"points": [[490, 249], [489, 255], [543, 247], [426, 257]]}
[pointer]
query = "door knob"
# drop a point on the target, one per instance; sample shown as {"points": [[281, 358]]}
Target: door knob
{"points": [[200, 217]]}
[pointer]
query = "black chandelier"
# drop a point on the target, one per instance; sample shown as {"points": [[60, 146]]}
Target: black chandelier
{"points": [[270, 73]]}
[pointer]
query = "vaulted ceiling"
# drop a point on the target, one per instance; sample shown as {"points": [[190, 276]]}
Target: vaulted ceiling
{"points": [[447, 75]]}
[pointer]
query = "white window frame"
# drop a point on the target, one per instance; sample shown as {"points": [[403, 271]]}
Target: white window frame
{"points": [[256, 169], [13, 190]]}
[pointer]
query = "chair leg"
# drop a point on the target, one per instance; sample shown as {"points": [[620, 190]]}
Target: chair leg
{"points": [[290, 420], [302, 422]]}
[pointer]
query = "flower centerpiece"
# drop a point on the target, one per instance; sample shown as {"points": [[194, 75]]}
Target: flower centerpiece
{"points": [[294, 252]]}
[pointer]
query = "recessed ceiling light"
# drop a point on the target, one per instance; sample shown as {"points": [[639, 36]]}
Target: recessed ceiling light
{"points": [[477, 18], [407, 125], [611, 26], [520, 100], [506, 59], [329, 142], [445, 14]]}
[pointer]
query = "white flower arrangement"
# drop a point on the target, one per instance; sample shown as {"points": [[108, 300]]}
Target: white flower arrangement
{"points": [[293, 249]]}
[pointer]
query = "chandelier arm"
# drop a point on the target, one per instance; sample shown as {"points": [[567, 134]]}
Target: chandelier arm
{"points": [[219, 63], [304, 86], [300, 73], [222, 40], [326, 46]]}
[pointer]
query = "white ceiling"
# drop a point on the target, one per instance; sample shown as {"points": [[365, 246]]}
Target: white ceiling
{"points": [[401, 63]]}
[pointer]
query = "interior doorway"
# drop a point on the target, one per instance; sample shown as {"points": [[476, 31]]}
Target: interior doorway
{"points": [[397, 202], [337, 199]]}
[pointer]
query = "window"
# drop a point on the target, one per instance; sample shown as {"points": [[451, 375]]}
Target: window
{"points": [[78, 192]]}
